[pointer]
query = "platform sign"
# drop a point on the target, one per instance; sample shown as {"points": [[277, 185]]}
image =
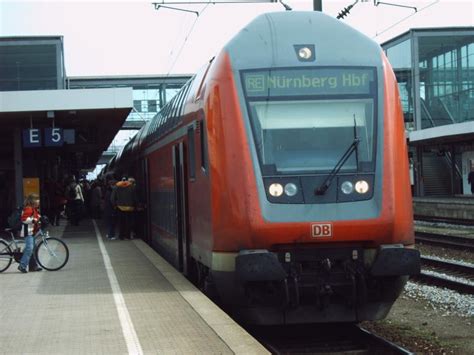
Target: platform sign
{"points": [[69, 136], [32, 138], [48, 137], [31, 186], [53, 137]]}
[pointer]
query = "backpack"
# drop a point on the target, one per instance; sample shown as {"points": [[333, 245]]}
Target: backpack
{"points": [[71, 194], [14, 220]]}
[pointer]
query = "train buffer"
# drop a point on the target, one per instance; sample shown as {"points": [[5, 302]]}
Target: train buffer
{"points": [[113, 297]]}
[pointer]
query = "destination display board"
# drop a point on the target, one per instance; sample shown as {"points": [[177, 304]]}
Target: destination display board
{"points": [[309, 81]]}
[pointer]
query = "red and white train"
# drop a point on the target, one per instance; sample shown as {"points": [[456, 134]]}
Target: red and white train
{"points": [[278, 175]]}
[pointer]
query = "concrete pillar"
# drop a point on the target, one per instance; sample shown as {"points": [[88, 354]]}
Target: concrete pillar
{"points": [[18, 166], [453, 170], [318, 5], [162, 95]]}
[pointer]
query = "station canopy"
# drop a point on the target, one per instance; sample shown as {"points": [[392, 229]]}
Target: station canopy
{"points": [[88, 120]]}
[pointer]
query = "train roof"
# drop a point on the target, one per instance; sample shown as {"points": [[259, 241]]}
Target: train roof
{"points": [[270, 39]]}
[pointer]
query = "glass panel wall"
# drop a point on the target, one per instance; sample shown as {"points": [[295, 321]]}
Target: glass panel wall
{"points": [[28, 66], [446, 65], [400, 55], [400, 58]]}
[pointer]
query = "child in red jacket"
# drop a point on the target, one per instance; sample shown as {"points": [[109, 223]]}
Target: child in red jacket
{"points": [[30, 219]]}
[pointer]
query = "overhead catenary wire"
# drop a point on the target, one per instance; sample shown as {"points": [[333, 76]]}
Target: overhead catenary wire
{"points": [[198, 13], [186, 38], [405, 18]]}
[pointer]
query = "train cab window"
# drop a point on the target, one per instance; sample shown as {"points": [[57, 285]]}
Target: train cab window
{"points": [[304, 121], [191, 154]]}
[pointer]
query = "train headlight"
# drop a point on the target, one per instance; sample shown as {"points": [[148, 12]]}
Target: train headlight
{"points": [[275, 189], [362, 186], [291, 189], [347, 187], [305, 53]]}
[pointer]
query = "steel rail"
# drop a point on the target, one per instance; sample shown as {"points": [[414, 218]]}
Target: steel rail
{"points": [[388, 346], [345, 339], [457, 221], [439, 280], [445, 240], [462, 274], [448, 265]]}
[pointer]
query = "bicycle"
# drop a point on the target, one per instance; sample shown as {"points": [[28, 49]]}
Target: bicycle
{"points": [[51, 253]]}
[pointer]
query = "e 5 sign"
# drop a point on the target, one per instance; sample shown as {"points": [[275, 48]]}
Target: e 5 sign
{"points": [[33, 138]]}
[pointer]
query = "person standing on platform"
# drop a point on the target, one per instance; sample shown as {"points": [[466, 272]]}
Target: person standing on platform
{"points": [[95, 200], [470, 180], [30, 218], [76, 201], [124, 200], [134, 216], [109, 210], [58, 203]]}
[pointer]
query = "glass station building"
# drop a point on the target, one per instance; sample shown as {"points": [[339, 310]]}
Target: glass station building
{"points": [[435, 72]]}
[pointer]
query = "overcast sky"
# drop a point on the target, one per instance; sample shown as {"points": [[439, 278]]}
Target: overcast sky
{"points": [[132, 38]]}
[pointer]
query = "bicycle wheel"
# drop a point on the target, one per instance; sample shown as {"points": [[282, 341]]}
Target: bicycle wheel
{"points": [[18, 249], [52, 253], [5, 256]]}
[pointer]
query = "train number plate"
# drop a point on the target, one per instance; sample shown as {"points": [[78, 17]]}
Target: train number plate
{"points": [[319, 230]]}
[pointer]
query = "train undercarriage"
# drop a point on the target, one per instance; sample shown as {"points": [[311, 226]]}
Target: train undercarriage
{"points": [[306, 285]]}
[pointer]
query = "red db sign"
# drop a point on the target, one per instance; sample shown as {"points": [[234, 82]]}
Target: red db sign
{"points": [[321, 230]]}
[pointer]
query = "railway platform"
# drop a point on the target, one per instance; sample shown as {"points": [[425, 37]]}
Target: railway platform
{"points": [[455, 208], [113, 297]]}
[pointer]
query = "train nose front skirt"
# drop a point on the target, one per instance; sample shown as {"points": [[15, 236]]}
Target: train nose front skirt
{"points": [[324, 284]]}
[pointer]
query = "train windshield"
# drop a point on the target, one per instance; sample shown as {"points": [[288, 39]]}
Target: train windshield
{"points": [[303, 120]]}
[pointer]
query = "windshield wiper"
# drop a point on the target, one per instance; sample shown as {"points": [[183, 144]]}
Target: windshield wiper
{"points": [[321, 190]]}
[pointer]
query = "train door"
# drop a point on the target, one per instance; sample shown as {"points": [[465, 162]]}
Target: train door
{"points": [[180, 178]]}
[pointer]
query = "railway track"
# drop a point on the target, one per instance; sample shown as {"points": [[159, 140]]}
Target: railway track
{"points": [[457, 221], [452, 275], [448, 241], [324, 339]]}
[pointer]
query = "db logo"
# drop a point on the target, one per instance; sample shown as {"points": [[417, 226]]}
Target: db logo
{"points": [[321, 230]]}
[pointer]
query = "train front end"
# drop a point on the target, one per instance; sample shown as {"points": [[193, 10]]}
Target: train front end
{"points": [[319, 228]]}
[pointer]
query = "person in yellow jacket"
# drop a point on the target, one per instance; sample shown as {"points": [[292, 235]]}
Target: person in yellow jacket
{"points": [[124, 200]]}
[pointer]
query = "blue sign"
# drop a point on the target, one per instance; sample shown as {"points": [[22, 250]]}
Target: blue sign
{"points": [[69, 136], [32, 138], [53, 137]]}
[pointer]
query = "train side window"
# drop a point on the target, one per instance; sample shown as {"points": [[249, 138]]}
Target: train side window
{"points": [[192, 154], [202, 136]]}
